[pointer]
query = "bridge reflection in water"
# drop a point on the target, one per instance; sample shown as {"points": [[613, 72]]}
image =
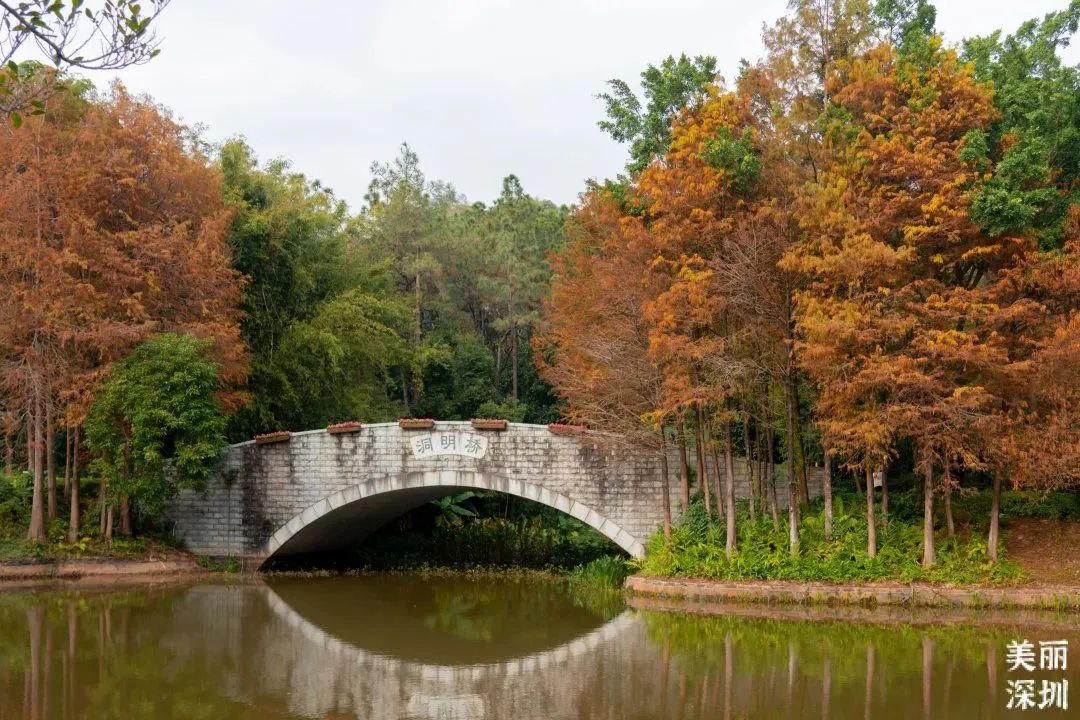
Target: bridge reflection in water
{"points": [[470, 648], [389, 647]]}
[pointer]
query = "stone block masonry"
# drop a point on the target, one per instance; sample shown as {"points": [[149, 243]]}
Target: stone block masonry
{"points": [[322, 491]]}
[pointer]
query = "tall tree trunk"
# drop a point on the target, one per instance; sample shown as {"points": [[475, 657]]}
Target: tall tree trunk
{"points": [[802, 476], [719, 486], [73, 490], [418, 294], [67, 460], [770, 469], [858, 485], [794, 493], [750, 489], [36, 531], [30, 436], [885, 494], [9, 454], [871, 523], [928, 516], [794, 443], [514, 361], [125, 516], [793, 518], [762, 479], [666, 489], [950, 526], [684, 465], [50, 459], [106, 509], [827, 494], [995, 518], [729, 491], [703, 471]]}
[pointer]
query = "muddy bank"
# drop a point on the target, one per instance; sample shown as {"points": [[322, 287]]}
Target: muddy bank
{"points": [[102, 568], [1061, 597]]}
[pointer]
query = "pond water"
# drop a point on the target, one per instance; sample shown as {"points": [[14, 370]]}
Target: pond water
{"points": [[463, 647]]}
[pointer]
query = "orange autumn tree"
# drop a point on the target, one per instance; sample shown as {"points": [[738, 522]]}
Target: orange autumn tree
{"points": [[899, 321], [593, 346], [692, 199], [1041, 295], [114, 230]]}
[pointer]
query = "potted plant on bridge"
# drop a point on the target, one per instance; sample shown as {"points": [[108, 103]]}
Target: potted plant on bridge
{"points": [[489, 423], [416, 423], [566, 429], [349, 426], [273, 437]]}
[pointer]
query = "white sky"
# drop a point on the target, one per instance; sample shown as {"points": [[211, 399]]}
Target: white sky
{"points": [[479, 88]]}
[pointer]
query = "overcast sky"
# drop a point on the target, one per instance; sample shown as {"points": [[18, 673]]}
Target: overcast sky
{"points": [[479, 88]]}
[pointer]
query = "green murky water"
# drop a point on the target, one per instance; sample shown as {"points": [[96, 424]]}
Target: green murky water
{"points": [[459, 648]]}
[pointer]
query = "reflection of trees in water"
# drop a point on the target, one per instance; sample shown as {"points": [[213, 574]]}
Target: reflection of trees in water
{"points": [[97, 656], [480, 611], [744, 664], [230, 652], [455, 619]]}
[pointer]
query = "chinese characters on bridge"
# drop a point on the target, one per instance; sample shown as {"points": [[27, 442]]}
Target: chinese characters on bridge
{"points": [[1049, 693], [468, 444]]}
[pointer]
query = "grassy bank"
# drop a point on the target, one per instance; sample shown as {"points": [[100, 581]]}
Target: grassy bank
{"points": [[697, 544]]}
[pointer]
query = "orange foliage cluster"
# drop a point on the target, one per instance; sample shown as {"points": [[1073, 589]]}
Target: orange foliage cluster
{"points": [[114, 229], [760, 250]]}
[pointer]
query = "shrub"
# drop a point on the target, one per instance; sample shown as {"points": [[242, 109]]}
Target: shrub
{"points": [[608, 571], [697, 550]]}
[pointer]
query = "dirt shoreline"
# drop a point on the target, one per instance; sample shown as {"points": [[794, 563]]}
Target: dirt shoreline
{"points": [[882, 615], [75, 569], [1045, 597]]}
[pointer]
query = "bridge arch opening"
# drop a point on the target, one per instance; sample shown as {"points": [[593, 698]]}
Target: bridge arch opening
{"points": [[349, 516]]}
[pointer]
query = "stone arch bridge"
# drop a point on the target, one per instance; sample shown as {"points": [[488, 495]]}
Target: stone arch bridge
{"points": [[321, 491]]}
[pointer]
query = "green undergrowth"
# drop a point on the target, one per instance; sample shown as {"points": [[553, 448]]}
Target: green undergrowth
{"points": [[608, 571], [488, 541], [15, 499], [697, 550]]}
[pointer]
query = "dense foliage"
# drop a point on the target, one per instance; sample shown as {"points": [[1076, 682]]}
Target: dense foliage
{"points": [[485, 529], [697, 549], [865, 251], [128, 246], [156, 425]]}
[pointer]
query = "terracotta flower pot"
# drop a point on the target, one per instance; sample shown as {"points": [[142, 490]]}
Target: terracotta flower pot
{"points": [[416, 423], [349, 426], [489, 424], [564, 429], [273, 437]]}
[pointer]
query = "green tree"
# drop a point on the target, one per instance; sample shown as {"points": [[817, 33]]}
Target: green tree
{"points": [[406, 218], [1034, 145], [907, 24], [520, 233], [645, 123], [156, 425], [322, 319], [339, 364]]}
